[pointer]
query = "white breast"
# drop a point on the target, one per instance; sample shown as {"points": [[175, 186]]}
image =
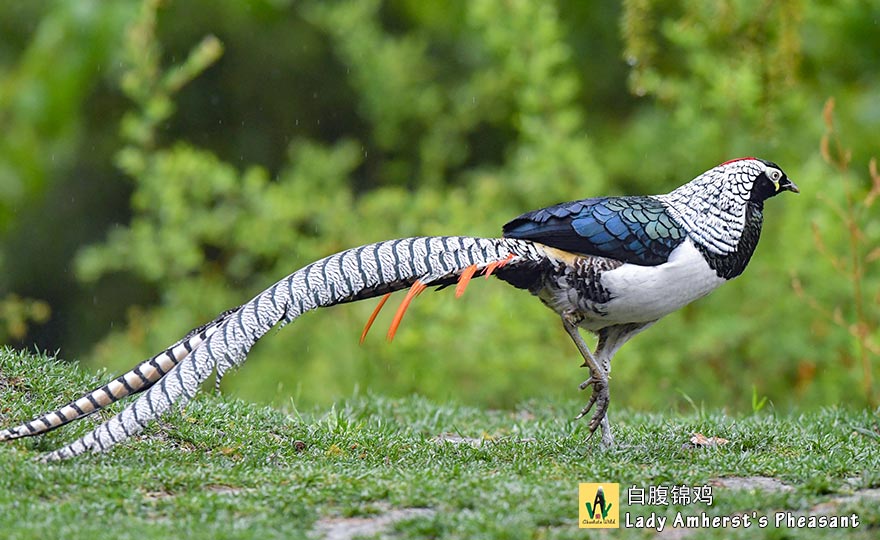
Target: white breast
{"points": [[647, 293]]}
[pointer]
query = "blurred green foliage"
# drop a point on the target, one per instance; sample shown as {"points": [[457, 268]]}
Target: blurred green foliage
{"points": [[152, 175], [16, 313]]}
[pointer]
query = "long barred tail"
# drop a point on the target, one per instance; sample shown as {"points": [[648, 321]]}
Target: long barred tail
{"points": [[355, 274], [138, 379]]}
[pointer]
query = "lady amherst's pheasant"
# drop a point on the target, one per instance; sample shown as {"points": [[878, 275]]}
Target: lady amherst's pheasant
{"points": [[610, 265]]}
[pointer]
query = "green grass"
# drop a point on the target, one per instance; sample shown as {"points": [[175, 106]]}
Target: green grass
{"points": [[229, 469]]}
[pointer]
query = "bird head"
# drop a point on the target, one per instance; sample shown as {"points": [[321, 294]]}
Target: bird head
{"points": [[750, 178], [714, 206], [771, 182], [730, 186]]}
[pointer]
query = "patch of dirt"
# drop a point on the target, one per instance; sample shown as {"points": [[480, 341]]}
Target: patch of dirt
{"points": [[348, 528], [16, 383], [219, 489], [158, 495], [831, 506], [452, 438], [751, 483]]}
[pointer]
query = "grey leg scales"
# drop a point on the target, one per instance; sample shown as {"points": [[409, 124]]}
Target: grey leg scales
{"points": [[598, 380]]}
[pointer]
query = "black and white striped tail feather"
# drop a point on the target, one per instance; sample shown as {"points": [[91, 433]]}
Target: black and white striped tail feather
{"points": [[134, 381], [355, 274]]}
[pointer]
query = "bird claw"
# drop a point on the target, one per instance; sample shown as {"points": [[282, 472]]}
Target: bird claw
{"points": [[598, 380], [600, 396], [586, 409], [586, 383]]}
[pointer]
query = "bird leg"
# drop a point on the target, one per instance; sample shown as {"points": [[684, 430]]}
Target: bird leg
{"points": [[598, 380]]}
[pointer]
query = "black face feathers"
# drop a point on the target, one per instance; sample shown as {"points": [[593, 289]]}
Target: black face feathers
{"points": [[771, 182]]}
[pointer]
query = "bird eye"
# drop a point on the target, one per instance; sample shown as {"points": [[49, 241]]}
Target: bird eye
{"points": [[775, 175]]}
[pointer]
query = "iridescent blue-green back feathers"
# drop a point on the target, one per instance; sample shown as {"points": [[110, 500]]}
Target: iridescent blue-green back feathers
{"points": [[635, 230]]}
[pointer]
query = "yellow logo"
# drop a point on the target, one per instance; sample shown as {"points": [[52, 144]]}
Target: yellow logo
{"points": [[599, 506]]}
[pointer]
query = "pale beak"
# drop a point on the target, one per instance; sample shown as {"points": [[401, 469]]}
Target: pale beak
{"points": [[788, 185]]}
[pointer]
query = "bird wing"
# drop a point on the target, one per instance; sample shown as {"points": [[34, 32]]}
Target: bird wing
{"points": [[635, 230]]}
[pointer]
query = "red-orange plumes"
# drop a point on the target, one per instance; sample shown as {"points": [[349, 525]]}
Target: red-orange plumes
{"points": [[464, 279], [417, 289], [414, 291], [373, 316], [492, 266]]}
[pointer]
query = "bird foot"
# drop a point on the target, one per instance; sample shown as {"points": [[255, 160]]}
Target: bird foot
{"points": [[600, 397], [586, 383]]}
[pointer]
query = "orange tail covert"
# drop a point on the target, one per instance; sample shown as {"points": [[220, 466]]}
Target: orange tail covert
{"points": [[413, 291], [372, 318], [492, 266], [464, 279]]}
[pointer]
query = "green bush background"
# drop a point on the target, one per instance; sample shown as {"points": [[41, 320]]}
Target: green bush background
{"points": [[151, 177]]}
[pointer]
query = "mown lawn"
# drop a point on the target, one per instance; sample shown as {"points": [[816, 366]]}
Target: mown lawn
{"points": [[409, 468]]}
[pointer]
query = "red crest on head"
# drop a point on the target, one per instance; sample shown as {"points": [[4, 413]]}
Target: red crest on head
{"points": [[737, 159]]}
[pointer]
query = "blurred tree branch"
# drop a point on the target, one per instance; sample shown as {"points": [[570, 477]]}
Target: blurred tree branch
{"points": [[862, 323]]}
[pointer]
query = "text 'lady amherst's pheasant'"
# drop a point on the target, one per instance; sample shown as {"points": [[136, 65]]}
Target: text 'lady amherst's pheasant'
{"points": [[610, 265]]}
